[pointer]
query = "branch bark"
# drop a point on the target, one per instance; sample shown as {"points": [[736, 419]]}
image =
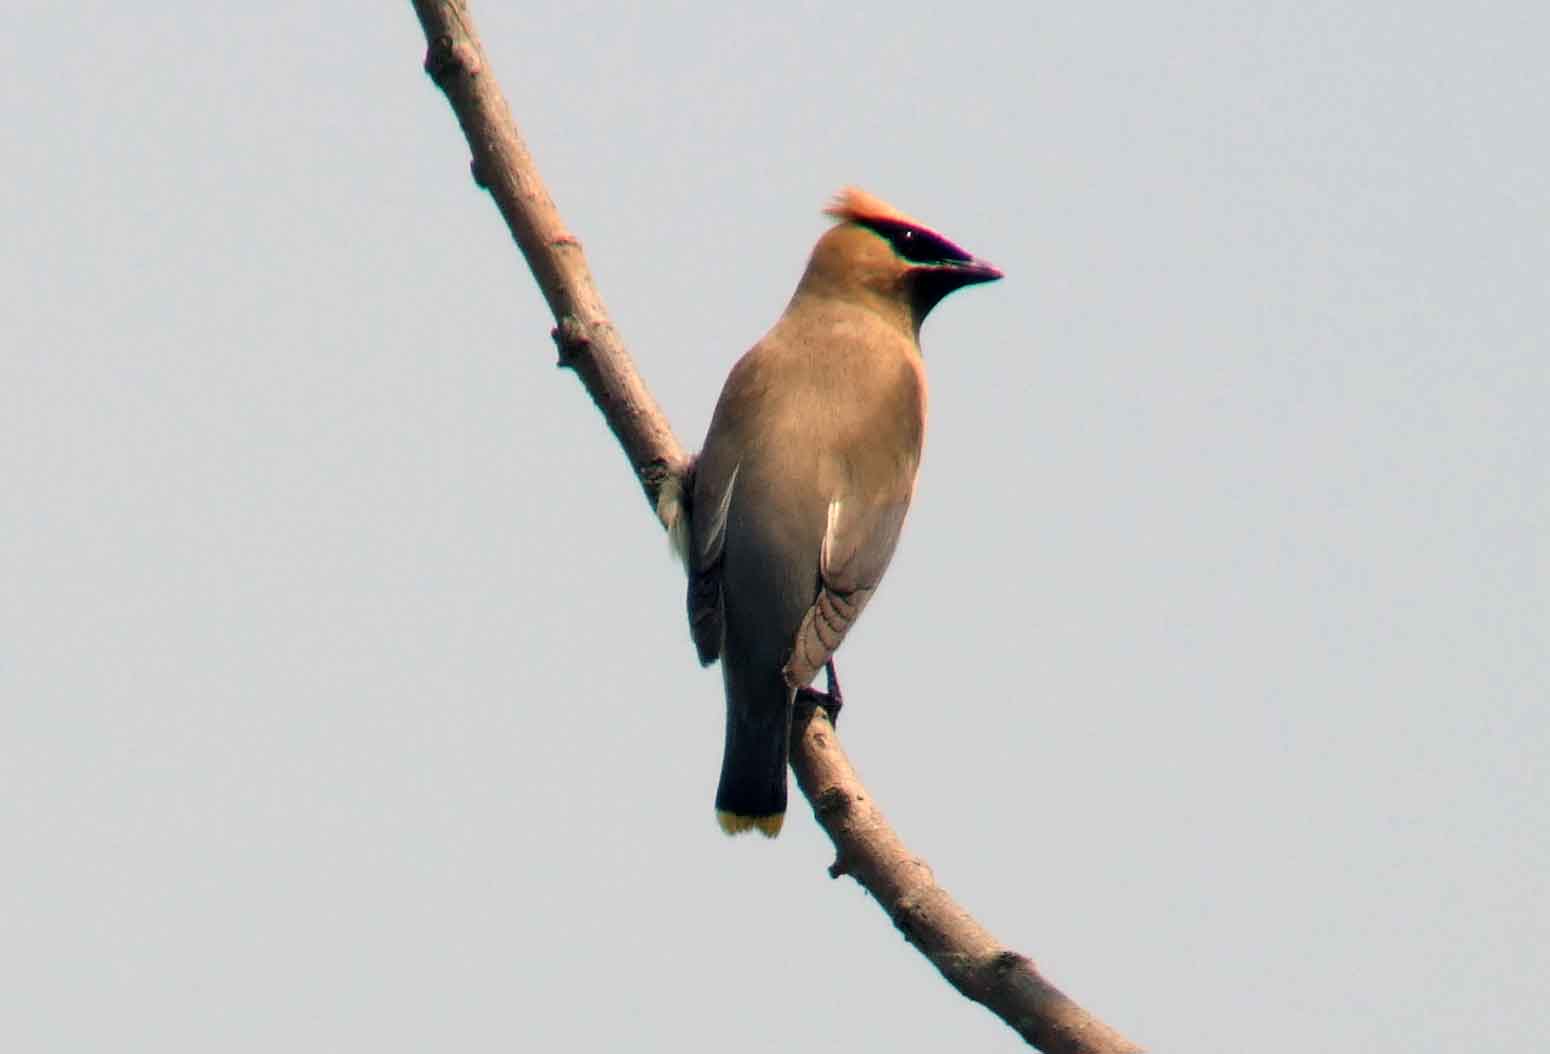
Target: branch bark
{"points": [[587, 341], [866, 847], [1003, 981]]}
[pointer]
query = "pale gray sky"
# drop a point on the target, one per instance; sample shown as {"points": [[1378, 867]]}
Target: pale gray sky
{"points": [[346, 700]]}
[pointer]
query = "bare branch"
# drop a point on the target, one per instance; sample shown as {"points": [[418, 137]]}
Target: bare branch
{"points": [[978, 965], [586, 338], [867, 848]]}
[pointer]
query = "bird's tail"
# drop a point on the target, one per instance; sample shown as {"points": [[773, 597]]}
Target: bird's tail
{"points": [[752, 791]]}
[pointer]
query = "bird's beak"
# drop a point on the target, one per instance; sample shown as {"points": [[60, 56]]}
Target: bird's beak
{"points": [[931, 282], [975, 270]]}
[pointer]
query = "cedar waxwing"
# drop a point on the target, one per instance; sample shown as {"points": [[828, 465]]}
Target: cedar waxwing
{"points": [[801, 488]]}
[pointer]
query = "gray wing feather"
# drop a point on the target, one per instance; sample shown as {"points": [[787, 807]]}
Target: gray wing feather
{"points": [[707, 620], [857, 546]]}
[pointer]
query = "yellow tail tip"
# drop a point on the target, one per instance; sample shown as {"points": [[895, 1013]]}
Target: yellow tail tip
{"points": [[733, 823]]}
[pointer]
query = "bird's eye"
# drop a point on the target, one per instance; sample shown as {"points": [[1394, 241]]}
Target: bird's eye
{"points": [[909, 244]]}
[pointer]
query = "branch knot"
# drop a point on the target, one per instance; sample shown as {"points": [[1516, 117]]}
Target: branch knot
{"points": [[445, 57], [572, 339]]}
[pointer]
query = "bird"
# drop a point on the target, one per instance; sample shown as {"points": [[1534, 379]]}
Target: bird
{"points": [[791, 511]]}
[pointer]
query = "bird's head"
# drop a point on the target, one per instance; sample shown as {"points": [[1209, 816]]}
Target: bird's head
{"points": [[878, 254]]}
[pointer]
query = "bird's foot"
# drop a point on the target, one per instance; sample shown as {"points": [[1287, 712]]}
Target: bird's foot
{"points": [[832, 700]]}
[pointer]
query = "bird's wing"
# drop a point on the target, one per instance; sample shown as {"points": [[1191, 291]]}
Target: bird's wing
{"points": [[708, 533], [858, 542]]}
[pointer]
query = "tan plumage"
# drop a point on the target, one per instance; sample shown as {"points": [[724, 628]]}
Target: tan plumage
{"points": [[801, 488]]}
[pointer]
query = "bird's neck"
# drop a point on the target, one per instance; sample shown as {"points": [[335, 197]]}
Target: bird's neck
{"points": [[819, 299]]}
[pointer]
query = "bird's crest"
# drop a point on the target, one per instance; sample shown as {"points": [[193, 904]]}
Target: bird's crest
{"points": [[857, 206], [915, 243]]}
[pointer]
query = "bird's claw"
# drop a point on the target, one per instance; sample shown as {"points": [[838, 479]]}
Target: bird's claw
{"points": [[831, 701]]}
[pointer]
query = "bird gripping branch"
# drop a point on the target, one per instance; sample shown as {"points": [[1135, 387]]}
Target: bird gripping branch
{"points": [[800, 490]]}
